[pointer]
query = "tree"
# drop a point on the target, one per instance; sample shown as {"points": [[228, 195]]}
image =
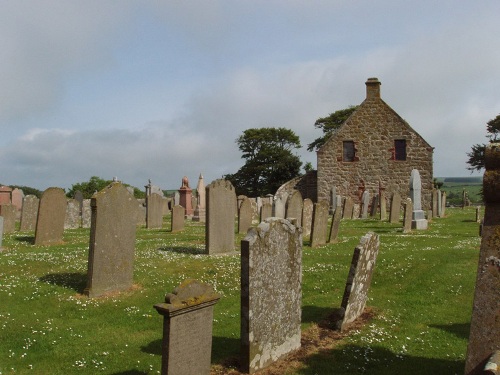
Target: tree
{"points": [[476, 155], [329, 124], [88, 188], [269, 161]]}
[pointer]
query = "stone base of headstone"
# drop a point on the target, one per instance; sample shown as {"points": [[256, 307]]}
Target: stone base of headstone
{"points": [[187, 329], [418, 220]]}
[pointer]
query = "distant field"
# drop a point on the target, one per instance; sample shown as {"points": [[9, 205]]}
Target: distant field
{"points": [[454, 186]]}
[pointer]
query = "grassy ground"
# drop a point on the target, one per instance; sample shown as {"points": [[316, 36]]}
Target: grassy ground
{"points": [[421, 298]]}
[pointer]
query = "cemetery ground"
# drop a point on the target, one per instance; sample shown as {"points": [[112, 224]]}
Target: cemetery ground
{"points": [[420, 303]]}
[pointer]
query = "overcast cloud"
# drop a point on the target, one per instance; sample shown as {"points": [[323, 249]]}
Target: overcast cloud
{"points": [[141, 90]]}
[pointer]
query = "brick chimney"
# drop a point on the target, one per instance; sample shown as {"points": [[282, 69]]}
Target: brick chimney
{"points": [[372, 88]]}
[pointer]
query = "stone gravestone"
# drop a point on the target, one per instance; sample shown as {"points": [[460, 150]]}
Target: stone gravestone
{"points": [[199, 212], [17, 201], [333, 200], [478, 214], [365, 202], [294, 205], [335, 226], [72, 219], [5, 195], [307, 215], [141, 211], [356, 210], [51, 214], [8, 211], [221, 210], [439, 204], [443, 204], [395, 208], [280, 205], [177, 198], [418, 220], [383, 206], [79, 197], [86, 213], [408, 211], [245, 216], [348, 208], [374, 206], [271, 294], [359, 279], [154, 211], [484, 337], [112, 241], [29, 213], [319, 229], [187, 329], [266, 211], [178, 215], [435, 203]]}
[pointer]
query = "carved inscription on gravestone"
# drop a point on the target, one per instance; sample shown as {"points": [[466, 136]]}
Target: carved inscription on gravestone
{"points": [[271, 294]]}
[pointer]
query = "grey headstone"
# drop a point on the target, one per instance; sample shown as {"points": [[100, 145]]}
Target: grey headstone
{"points": [[435, 211], [439, 203], [319, 229], [271, 266], [374, 205], [187, 329], [335, 226], [294, 207], [383, 207], [280, 205], [443, 204], [356, 210], [418, 217], [221, 210], [245, 215], [307, 215], [348, 208], [333, 199], [365, 202], [408, 210], [72, 219], [478, 214], [8, 211], [266, 211], [395, 208], [178, 215], [86, 213], [29, 213], [154, 211], [112, 241], [51, 215], [177, 198], [359, 278]]}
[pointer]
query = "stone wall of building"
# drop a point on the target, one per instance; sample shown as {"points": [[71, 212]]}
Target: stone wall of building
{"points": [[373, 128]]}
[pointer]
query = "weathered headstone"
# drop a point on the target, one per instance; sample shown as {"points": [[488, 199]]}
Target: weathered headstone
{"points": [[439, 204], [280, 205], [86, 213], [177, 198], [245, 216], [72, 219], [5, 195], [408, 211], [348, 208], [187, 329], [8, 211], [29, 213], [141, 211], [178, 215], [154, 211], [435, 212], [17, 201], [356, 210], [266, 211], [359, 279], [271, 294], [307, 215], [383, 206], [51, 215], [335, 226], [112, 241], [319, 229], [200, 208], [395, 208], [221, 210], [484, 337], [294, 207], [374, 206], [443, 204], [418, 220], [333, 200], [79, 197], [478, 214], [365, 202]]}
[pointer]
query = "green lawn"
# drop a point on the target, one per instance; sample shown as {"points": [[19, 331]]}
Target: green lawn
{"points": [[422, 294]]}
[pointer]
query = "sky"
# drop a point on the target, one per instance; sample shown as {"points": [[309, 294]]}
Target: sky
{"points": [[143, 90]]}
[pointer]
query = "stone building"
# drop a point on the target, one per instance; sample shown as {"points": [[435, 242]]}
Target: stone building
{"points": [[373, 149]]}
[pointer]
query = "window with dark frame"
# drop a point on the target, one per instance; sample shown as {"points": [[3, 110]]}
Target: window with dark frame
{"points": [[348, 151], [400, 149]]}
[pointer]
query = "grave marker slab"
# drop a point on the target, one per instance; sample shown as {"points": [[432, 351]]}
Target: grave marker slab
{"points": [[383, 206], [319, 229], [178, 215], [271, 266], [294, 207], [335, 226], [408, 211], [359, 279], [112, 241], [365, 202], [29, 213], [8, 211], [245, 215], [266, 211], [51, 214], [348, 208], [72, 219], [86, 213], [395, 208], [154, 211], [280, 205], [307, 215]]}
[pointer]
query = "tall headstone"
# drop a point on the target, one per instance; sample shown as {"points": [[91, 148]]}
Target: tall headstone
{"points": [[51, 214], [383, 206], [335, 226], [439, 204], [79, 197], [86, 213], [478, 214], [221, 210], [271, 294], [8, 211], [177, 198], [178, 214], [356, 211], [112, 241], [72, 220], [435, 212], [443, 204], [359, 279], [29, 213], [280, 205], [374, 206], [185, 195], [266, 211], [294, 207], [187, 329], [200, 210], [395, 208], [408, 212], [307, 215], [319, 229], [348, 208], [365, 202], [154, 211], [333, 200], [245, 216], [484, 337], [418, 220]]}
